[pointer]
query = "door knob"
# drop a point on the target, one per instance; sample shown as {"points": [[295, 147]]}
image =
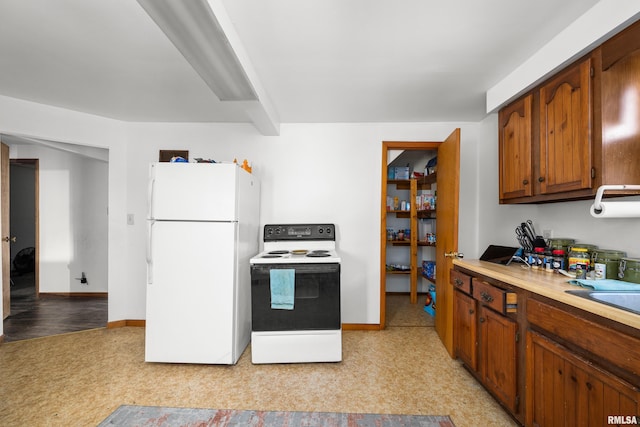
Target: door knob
{"points": [[454, 254], [9, 239]]}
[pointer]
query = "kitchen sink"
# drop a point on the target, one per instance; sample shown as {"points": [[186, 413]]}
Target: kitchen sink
{"points": [[625, 300]]}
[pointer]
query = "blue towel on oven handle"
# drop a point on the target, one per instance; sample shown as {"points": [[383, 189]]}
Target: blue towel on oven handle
{"points": [[283, 285]]}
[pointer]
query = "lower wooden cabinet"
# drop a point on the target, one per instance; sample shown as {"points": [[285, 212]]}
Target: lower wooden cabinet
{"points": [[485, 339], [566, 390], [547, 363], [498, 356], [466, 335]]}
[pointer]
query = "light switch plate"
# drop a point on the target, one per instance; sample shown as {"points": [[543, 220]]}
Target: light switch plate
{"points": [[130, 220]]}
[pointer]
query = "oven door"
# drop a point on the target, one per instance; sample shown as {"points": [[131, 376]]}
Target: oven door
{"points": [[316, 304]]}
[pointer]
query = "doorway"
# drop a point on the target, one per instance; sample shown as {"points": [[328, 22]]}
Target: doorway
{"points": [[67, 290], [446, 179], [24, 202]]}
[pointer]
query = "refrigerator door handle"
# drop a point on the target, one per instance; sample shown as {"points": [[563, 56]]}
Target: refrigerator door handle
{"points": [[149, 252], [150, 189]]}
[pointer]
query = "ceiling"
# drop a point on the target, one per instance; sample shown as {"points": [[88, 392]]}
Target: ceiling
{"points": [[321, 61]]}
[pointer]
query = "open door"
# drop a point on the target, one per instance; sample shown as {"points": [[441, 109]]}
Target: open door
{"points": [[447, 233], [6, 240], [448, 178]]}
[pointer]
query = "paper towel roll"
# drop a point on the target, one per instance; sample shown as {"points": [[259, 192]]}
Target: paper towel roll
{"points": [[617, 210]]}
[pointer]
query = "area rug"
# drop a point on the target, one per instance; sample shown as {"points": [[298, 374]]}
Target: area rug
{"points": [[147, 416]]}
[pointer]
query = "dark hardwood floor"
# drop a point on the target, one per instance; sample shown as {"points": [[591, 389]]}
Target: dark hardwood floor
{"points": [[33, 317]]}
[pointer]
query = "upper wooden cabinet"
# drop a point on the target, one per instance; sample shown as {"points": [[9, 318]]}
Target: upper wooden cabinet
{"points": [[515, 146], [565, 131], [546, 139], [576, 131], [621, 107]]}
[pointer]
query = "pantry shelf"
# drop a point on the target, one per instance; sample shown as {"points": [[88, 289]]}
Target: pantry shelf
{"points": [[416, 199]]}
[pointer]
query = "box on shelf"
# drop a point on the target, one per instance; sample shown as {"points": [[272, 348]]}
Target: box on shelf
{"points": [[429, 269], [402, 172], [430, 301]]}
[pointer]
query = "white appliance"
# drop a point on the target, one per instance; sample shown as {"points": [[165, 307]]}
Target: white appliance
{"points": [[310, 328], [203, 228]]}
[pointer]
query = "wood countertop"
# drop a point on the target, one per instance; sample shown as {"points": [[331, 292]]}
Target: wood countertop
{"points": [[550, 285]]}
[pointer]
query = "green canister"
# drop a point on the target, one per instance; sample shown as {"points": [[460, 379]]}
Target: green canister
{"points": [[560, 243], [606, 263], [629, 270]]}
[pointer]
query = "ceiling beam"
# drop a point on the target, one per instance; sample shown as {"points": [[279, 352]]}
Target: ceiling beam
{"points": [[204, 34]]}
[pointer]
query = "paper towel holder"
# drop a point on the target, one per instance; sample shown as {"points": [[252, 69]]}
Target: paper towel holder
{"points": [[597, 203]]}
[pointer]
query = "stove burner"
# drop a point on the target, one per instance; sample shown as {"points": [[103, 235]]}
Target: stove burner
{"points": [[320, 251], [279, 252], [271, 256], [319, 254]]}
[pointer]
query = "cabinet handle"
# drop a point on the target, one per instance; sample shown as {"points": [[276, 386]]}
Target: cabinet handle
{"points": [[458, 282], [471, 311], [541, 179], [486, 297], [525, 181], [481, 320]]}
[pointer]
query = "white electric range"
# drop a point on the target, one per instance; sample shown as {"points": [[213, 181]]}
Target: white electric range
{"points": [[302, 260]]}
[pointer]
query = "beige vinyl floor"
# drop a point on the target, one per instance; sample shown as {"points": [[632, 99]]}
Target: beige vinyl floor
{"points": [[78, 379]]}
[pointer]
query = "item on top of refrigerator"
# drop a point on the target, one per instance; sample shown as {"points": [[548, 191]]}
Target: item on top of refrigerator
{"points": [[246, 166], [201, 160], [178, 159]]}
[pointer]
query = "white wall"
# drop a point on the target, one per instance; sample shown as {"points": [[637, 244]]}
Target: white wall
{"points": [[310, 173], [28, 119], [321, 172], [73, 219]]}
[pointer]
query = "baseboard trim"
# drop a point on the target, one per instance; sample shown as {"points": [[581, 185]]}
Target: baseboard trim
{"points": [[123, 323], [74, 294]]}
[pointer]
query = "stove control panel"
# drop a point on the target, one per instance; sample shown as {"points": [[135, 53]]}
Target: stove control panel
{"points": [[274, 232]]}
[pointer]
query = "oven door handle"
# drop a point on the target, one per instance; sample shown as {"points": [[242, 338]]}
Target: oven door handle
{"points": [[299, 268]]}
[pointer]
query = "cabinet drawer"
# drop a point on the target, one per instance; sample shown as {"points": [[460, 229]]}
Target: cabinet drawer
{"points": [[498, 299], [607, 344], [461, 281]]}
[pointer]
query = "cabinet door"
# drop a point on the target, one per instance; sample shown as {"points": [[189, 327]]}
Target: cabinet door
{"points": [[465, 337], [565, 131], [563, 389], [620, 112], [514, 150], [498, 356]]}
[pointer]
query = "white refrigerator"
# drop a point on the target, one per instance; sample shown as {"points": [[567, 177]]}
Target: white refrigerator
{"points": [[203, 227]]}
